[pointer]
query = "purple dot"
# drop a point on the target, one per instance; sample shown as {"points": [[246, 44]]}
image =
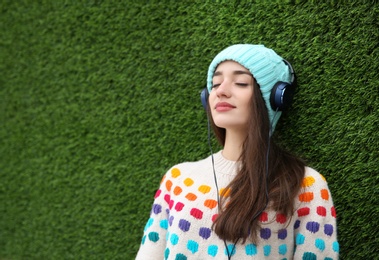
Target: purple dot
{"points": [[157, 208], [205, 232], [313, 226], [265, 233], [297, 224], [282, 234], [184, 225], [328, 229], [170, 220]]}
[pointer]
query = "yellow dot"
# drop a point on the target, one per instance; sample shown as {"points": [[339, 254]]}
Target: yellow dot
{"points": [[204, 189], [308, 181], [322, 177], [175, 172], [224, 192], [188, 182]]}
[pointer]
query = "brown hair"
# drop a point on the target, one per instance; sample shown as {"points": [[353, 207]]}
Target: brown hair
{"points": [[239, 214]]}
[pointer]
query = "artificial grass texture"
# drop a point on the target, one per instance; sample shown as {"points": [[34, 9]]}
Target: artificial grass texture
{"points": [[99, 99]]}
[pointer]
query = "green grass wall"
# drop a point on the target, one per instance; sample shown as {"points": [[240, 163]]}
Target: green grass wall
{"points": [[99, 98]]}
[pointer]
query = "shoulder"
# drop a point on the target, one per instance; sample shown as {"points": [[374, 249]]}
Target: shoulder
{"points": [[314, 187], [313, 177], [188, 168]]}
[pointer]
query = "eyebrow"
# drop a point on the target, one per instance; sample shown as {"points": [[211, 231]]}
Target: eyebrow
{"points": [[236, 72]]}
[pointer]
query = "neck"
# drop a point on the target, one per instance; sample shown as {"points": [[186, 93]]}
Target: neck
{"points": [[233, 145]]}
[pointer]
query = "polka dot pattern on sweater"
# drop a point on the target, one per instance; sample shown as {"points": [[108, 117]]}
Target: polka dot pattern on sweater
{"points": [[185, 209]]}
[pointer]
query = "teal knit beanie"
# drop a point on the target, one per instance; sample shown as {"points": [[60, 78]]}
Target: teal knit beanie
{"points": [[264, 64]]}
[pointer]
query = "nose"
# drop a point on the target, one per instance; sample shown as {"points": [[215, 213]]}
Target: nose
{"points": [[223, 89]]}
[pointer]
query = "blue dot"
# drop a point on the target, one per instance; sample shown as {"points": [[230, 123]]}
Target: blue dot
{"points": [[143, 240], [267, 250], [166, 253], [309, 256], [231, 249], [336, 247], [212, 250], [300, 239], [153, 236], [320, 244], [192, 246], [149, 223], [164, 224], [283, 249], [180, 257], [174, 239], [251, 249]]}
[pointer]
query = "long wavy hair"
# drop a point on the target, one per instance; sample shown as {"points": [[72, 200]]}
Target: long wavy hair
{"points": [[255, 187]]}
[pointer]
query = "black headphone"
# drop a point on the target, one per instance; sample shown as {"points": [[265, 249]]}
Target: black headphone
{"points": [[281, 94]]}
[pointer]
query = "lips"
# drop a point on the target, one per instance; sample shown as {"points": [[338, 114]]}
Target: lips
{"points": [[223, 106]]}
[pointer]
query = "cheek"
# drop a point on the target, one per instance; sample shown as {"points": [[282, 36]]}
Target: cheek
{"points": [[211, 99]]}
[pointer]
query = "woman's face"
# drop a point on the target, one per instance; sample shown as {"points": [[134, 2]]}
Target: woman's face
{"points": [[229, 99]]}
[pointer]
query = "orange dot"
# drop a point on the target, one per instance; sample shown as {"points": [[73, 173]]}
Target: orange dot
{"points": [[163, 178], [190, 196], [306, 197], [188, 182], [168, 185], [210, 204], [175, 172], [204, 189], [308, 181], [177, 190], [325, 194]]}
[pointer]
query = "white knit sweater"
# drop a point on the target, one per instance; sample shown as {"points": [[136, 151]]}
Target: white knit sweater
{"points": [[185, 207]]}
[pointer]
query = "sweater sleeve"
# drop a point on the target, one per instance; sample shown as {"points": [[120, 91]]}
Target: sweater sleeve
{"points": [[153, 242], [315, 225]]}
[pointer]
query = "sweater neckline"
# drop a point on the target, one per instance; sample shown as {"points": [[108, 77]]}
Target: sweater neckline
{"points": [[223, 165]]}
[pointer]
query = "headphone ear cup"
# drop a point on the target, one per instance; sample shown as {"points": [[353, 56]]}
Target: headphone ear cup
{"points": [[281, 95], [204, 98]]}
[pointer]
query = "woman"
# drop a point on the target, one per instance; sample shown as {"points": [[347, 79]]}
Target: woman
{"points": [[252, 200]]}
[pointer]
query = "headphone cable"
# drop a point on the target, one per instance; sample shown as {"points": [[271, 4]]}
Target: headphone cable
{"points": [[266, 182]]}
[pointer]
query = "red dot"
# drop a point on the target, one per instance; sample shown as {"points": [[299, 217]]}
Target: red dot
{"points": [[281, 218], [179, 206], [157, 194], [303, 212], [196, 213], [263, 217], [321, 211]]}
